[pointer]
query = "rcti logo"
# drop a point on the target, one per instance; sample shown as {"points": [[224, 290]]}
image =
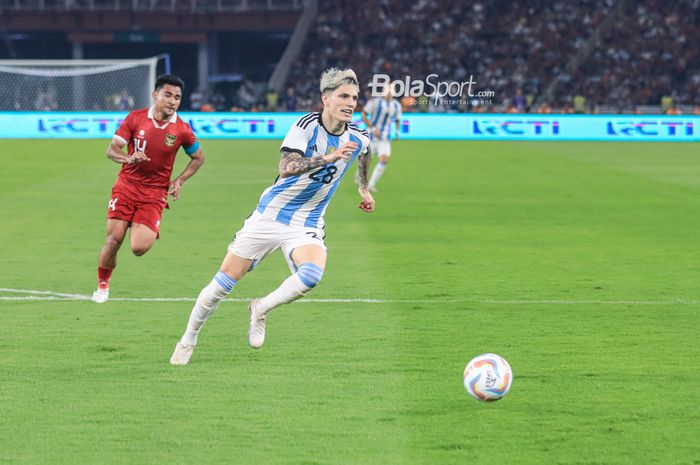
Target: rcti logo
{"points": [[650, 128], [256, 126], [515, 127], [79, 125]]}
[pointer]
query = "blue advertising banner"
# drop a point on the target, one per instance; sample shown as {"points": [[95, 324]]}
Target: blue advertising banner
{"points": [[414, 126]]}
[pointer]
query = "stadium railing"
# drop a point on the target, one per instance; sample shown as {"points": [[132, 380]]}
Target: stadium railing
{"points": [[150, 5]]}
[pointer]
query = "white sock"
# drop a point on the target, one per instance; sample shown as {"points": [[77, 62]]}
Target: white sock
{"points": [[206, 304], [293, 288], [377, 173]]}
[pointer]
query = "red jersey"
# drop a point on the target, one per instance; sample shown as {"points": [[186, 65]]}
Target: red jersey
{"points": [[159, 141]]}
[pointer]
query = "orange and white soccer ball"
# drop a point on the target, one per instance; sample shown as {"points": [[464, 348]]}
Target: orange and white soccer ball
{"points": [[487, 377]]}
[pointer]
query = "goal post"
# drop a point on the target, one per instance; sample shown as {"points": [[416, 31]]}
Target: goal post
{"points": [[76, 85]]}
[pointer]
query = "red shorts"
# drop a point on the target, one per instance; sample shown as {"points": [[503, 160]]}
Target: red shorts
{"points": [[137, 204]]}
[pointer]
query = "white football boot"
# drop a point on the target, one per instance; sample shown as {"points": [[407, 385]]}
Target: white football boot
{"points": [[182, 354], [100, 296], [256, 330]]}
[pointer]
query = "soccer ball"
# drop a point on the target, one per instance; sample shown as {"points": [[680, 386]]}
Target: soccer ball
{"points": [[488, 377]]}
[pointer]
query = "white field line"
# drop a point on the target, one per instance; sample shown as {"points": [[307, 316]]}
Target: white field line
{"points": [[36, 295]]}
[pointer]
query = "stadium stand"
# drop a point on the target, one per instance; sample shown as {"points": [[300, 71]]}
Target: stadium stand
{"points": [[535, 55], [612, 54]]}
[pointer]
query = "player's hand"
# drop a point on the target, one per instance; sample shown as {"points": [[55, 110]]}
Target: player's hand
{"points": [[367, 202], [137, 157], [174, 190], [375, 131], [344, 152]]}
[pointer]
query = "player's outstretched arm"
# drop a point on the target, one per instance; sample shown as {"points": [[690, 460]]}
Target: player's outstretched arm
{"points": [[293, 163], [196, 161], [363, 163]]}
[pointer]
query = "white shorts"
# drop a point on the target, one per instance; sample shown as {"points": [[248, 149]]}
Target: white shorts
{"points": [[381, 147], [260, 236]]}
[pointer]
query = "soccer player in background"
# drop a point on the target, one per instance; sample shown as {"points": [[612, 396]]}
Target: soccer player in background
{"points": [[315, 155], [379, 114], [153, 136]]}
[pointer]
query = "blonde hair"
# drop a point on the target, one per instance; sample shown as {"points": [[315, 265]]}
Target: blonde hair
{"points": [[332, 78]]}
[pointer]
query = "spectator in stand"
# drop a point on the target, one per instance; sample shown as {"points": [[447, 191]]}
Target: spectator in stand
{"points": [[271, 98], [246, 95], [290, 100], [519, 102], [408, 103], [196, 100], [46, 100], [218, 101], [124, 101]]}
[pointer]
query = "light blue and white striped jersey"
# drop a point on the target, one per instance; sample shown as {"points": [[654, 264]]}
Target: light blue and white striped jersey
{"points": [[301, 200], [383, 115]]}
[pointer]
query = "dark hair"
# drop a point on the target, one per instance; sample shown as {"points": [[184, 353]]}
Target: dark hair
{"points": [[169, 79]]}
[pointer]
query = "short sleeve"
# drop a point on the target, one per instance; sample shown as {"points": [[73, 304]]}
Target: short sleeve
{"points": [[296, 140], [189, 140], [363, 140], [125, 130], [369, 107]]}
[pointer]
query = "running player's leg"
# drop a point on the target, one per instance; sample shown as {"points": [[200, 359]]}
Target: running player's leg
{"points": [[141, 238], [146, 224], [309, 261], [107, 261], [116, 230], [384, 152], [120, 211], [252, 243], [231, 271]]}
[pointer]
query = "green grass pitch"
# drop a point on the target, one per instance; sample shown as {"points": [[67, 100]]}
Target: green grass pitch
{"points": [[577, 262]]}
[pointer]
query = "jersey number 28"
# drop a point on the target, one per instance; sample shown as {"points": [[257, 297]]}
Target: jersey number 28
{"points": [[325, 174]]}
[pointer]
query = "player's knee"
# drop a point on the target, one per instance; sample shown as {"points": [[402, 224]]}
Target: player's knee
{"points": [[114, 241], [310, 274], [139, 250], [384, 159]]}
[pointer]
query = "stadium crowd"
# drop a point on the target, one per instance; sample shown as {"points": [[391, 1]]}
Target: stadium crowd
{"points": [[645, 57], [527, 56], [644, 54]]}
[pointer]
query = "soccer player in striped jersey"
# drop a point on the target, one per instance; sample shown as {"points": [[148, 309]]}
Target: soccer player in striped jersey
{"points": [[315, 155], [379, 114]]}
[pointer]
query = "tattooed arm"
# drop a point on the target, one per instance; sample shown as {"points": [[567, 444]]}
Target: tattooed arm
{"points": [[363, 162], [292, 163]]}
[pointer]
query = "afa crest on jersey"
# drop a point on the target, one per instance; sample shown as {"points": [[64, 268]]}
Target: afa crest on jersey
{"points": [[170, 139]]}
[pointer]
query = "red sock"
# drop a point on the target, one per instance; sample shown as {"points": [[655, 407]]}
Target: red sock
{"points": [[103, 275]]}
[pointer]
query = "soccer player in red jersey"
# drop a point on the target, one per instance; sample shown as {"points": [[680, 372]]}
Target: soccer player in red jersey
{"points": [[153, 136]]}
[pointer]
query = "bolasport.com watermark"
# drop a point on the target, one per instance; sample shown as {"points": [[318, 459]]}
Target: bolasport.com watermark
{"points": [[432, 88]]}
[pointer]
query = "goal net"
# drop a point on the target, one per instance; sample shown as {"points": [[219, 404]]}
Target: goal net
{"points": [[76, 85]]}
